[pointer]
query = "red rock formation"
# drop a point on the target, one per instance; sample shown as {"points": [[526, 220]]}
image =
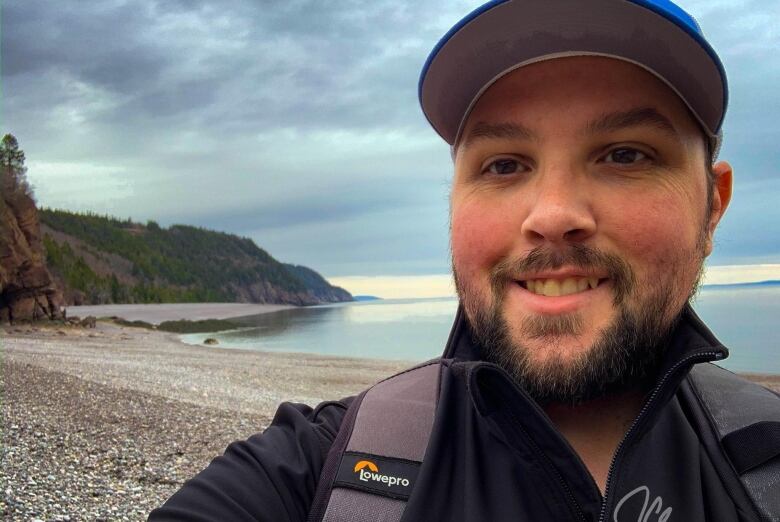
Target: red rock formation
{"points": [[27, 291]]}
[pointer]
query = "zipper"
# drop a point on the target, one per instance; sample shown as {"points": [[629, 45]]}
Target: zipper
{"points": [[541, 455], [564, 485], [704, 356]]}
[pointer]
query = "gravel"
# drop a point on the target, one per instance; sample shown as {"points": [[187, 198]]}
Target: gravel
{"points": [[106, 424]]}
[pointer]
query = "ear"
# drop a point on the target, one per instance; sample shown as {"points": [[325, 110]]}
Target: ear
{"points": [[721, 197]]}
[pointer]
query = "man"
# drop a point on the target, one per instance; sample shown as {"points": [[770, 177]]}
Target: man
{"points": [[584, 201]]}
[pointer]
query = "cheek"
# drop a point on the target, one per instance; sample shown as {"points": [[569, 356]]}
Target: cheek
{"points": [[659, 240], [481, 237]]}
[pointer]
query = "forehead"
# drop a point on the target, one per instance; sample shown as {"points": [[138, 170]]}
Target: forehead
{"points": [[576, 88]]}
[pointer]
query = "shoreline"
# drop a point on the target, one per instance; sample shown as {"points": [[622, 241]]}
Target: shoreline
{"points": [[158, 313]]}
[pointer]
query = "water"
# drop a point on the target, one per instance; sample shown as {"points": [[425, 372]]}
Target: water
{"points": [[403, 329], [744, 319]]}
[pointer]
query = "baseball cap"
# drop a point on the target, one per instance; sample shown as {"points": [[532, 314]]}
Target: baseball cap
{"points": [[504, 35]]}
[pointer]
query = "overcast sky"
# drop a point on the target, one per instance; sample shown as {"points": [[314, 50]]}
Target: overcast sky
{"points": [[296, 123]]}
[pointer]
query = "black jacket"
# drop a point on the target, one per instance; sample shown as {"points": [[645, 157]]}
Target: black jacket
{"points": [[494, 455]]}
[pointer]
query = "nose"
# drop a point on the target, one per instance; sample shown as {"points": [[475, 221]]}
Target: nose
{"points": [[561, 208]]}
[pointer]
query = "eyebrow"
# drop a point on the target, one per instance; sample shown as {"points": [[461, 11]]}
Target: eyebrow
{"points": [[611, 122], [482, 131], [640, 117]]}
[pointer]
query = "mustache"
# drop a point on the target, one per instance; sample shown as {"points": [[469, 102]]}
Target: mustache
{"points": [[579, 256]]}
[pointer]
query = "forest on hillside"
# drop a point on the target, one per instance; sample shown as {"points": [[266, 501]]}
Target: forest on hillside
{"points": [[146, 263]]}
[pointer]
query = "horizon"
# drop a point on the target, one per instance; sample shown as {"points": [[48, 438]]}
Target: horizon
{"points": [[441, 285]]}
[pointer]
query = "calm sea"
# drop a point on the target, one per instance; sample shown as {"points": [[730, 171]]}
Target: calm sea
{"points": [[745, 319]]}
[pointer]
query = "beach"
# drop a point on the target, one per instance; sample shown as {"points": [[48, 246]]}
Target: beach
{"points": [[106, 423]]}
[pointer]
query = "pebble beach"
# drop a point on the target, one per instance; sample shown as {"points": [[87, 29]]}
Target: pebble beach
{"points": [[106, 423]]}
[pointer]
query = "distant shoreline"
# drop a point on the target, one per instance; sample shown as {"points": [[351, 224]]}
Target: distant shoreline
{"points": [[157, 313], [755, 284]]}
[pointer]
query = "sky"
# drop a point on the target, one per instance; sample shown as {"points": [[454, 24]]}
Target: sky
{"points": [[296, 123]]}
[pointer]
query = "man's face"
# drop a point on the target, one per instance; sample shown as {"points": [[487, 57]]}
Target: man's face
{"points": [[579, 221]]}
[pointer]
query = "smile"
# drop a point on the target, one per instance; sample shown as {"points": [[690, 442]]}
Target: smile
{"points": [[550, 287]]}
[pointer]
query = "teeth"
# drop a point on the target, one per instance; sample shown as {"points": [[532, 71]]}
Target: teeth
{"points": [[557, 287], [551, 288], [569, 286]]}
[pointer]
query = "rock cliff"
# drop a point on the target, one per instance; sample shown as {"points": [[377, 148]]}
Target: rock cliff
{"points": [[27, 291]]}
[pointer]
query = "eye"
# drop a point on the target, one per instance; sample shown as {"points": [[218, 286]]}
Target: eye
{"points": [[625, 156], [503, 167]]}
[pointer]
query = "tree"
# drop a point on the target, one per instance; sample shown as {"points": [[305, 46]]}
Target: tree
{"points": [[14, 173]]}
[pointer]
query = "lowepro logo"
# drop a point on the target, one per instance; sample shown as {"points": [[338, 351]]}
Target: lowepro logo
{"points": [[372, 475]]}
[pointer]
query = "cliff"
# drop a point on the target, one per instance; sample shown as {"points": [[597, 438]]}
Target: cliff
{"points": [[27, 289], [317, 284]]}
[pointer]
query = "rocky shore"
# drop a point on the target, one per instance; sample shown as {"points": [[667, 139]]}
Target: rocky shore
{"points": [[106, 423]]}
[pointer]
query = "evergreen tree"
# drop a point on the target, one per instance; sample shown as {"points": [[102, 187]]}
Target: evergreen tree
{"points": [[14, 173]]}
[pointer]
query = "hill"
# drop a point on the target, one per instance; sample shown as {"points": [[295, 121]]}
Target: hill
{"points": [[101, 259]]}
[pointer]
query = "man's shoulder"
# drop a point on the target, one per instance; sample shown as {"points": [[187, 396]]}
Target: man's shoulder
{"points": [[732, 401], [324, 419], [328, 416], [743, 416], [724, 388], [740, 420]]}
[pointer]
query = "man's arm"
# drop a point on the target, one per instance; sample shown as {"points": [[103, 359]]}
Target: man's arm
{"points": [[269, 477]]}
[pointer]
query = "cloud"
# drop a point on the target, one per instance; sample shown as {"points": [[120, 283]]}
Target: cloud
{"points": [[296, 123]]}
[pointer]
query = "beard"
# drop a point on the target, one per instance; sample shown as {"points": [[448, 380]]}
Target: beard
{"points": [[626, 354]]}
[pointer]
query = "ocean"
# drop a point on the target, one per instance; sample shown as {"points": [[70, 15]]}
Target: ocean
{"points": [[744, 318]]}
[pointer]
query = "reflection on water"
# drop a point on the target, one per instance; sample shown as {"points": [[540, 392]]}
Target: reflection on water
{"points": [[744, 319], [276, 323], [405, 329]]}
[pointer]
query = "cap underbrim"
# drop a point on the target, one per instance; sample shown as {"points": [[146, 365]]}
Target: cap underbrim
{"points": [[502, 36]]}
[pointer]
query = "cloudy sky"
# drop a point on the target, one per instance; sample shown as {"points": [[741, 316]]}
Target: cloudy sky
{"points": [[296, 123]]}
